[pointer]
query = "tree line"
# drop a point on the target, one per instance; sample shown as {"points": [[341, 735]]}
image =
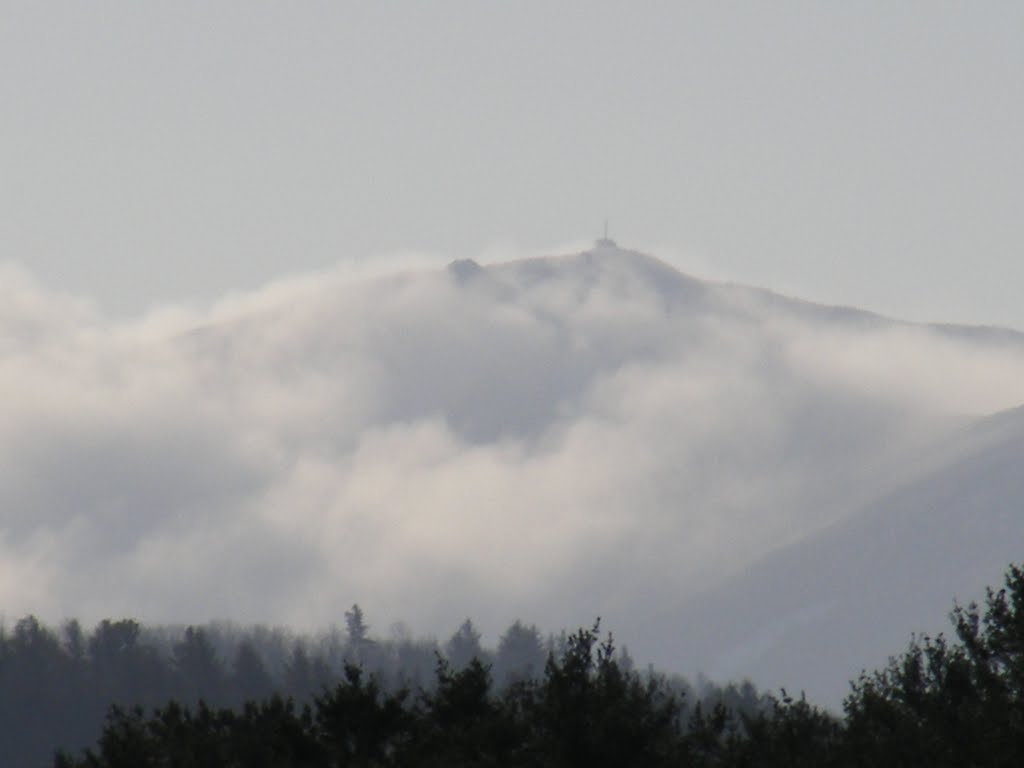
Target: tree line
{"points": [[58, 684], [945, 701]]}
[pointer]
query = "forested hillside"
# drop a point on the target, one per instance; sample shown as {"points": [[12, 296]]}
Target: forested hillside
{"points": [[56, 685], [944, 702], [567, 700]]}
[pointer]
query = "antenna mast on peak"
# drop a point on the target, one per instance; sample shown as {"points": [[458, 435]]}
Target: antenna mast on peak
{"points": [[606, 242]]}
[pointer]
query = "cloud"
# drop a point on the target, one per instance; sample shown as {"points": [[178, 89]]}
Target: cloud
{"points": [[916, 364], [546, 439]]}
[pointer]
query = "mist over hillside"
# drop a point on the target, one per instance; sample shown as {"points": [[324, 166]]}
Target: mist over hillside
{"points": [[813, 615], [560, 438]]}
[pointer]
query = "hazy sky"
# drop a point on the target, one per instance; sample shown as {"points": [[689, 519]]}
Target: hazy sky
{"points": [[864, 153]]}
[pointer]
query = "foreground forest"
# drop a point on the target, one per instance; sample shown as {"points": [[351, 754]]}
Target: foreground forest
{"points": [[943, 702], [57, 684]]}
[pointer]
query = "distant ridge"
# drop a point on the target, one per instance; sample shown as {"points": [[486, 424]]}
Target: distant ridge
{"points": [[675, 285], [813, 614]]}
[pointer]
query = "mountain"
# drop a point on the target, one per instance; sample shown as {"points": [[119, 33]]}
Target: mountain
{"points": [[554, 439], [715, 422], [812, 615]]}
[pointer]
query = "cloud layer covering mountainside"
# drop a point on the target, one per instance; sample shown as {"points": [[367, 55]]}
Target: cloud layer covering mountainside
{"points": [[549, 438]]}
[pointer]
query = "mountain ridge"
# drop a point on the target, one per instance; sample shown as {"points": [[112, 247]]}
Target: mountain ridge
{"points": [[690, 286]]}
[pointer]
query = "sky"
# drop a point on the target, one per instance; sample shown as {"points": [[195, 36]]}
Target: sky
{"points": [[866, 154]]}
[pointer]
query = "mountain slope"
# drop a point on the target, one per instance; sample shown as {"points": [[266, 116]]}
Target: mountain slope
{"points": [[813, 614]]}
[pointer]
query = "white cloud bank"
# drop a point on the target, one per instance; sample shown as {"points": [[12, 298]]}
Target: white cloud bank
{"points": [[552, 439]]}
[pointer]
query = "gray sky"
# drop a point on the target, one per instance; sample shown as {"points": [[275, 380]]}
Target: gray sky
{"points": [[868, 154]]}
